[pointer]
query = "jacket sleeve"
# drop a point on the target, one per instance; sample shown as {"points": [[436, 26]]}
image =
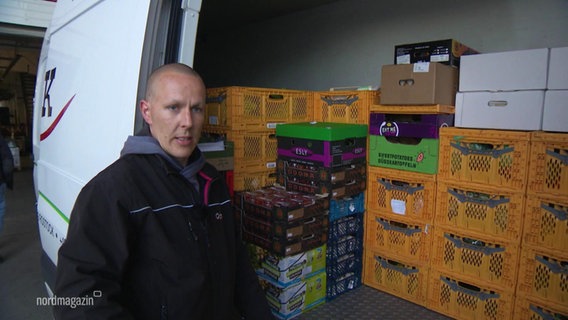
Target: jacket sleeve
{"points": [[92, 259]]}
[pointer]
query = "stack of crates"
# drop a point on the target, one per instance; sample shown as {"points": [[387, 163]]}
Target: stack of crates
{"points": [[248, 116], [480, 206], [542, 289], [286, 233], [329, 159], [401, 198]]}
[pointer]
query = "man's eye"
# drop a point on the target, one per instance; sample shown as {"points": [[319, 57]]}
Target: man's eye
{"points": [[172, 107], [196, 109]]}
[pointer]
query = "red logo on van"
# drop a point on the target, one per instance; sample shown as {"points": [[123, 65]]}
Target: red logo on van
{"points": [[49, 130]]}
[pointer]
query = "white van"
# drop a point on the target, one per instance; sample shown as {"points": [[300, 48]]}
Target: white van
{"points": [[96, 57]]}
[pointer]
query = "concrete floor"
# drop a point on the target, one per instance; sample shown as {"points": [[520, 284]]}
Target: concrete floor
{"points": [[20, 274]]}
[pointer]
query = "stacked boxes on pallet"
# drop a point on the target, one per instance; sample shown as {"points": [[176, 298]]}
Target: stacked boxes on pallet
{"points": [[479, 219], [329, 159], [401, 202], [542, 290], [248, 116], [511, 209], [286, 234], [417, 100]]}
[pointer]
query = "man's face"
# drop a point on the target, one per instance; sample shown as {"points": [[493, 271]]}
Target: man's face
{"points": [[175, 113]]}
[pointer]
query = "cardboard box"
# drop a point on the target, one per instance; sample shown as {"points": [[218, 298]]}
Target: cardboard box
{"points": [[287, 270], [274, 203], [447, 51], [419, 155], [558, 69], [282, 230], [283, 246], [504, 71], [289, 301], [555, 113], [510, 110], [222, 160], [418, 84], [327, 144], [409, 125]]}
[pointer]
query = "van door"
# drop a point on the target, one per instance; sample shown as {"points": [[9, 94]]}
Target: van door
{"points": [[87, 91]]}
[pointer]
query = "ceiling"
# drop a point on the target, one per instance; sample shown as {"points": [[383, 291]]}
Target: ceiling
{"points": [[20, 46], [219, 15]]}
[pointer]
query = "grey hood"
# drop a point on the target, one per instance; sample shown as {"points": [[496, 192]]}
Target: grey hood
{"points": [[144, 143]]}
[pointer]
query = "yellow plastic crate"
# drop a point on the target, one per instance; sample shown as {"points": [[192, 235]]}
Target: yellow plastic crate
{"points": [[248, 108], [546, 223], [548, 171], [530, 308], [491, 157], [245, 180], [543, 274], [481, 257], [461, 297], [411, 240], [490, 210], [254, 150], [389, 273], [344, 106], [402, 193]]}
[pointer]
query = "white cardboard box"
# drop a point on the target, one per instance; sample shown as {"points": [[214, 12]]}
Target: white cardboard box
{"points": [[504, 71], [512, 110], [555, 113], [558, 69]]}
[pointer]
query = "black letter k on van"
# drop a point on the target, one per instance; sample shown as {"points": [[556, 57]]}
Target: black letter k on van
{"points": [[49, 76]]}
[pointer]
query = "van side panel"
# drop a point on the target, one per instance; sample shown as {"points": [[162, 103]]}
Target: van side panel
{"points": [[85, 102]]}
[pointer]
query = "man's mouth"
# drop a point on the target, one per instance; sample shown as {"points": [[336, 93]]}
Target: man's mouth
{"points": [[184, 140]]}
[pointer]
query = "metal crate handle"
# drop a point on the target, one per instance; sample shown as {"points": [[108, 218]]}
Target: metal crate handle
{"points": [[347, 99], [553, 267], [397, 226], [400, 186], [560, 215], [216, 99], [472, 245], [491, 203], [544, 315], [494, 153], [393, 265], [562, 158], [469, 290]]}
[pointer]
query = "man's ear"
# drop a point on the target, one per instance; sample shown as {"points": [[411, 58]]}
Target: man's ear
{"points": [[145, 111]]}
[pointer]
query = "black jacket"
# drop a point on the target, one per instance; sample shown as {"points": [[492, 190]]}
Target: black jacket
{"points": [[142, 238]]}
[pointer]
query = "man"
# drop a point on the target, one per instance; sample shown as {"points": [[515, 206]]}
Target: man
{"points": [[6, 178], [153, 235]]}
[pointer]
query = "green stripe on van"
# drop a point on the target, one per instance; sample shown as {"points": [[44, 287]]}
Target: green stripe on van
{"points": [[51, 204]]}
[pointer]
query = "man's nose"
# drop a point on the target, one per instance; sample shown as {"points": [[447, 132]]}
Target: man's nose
{"points": [[186, 120]]}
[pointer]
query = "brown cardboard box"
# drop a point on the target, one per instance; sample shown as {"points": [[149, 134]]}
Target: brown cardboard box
{"points": [[419, 84]]}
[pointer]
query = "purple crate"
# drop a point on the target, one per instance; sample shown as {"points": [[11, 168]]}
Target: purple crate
{"points": [[409, 125]]}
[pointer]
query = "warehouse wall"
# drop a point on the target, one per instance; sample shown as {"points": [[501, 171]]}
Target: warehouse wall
{"points": [[346, 43]]}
